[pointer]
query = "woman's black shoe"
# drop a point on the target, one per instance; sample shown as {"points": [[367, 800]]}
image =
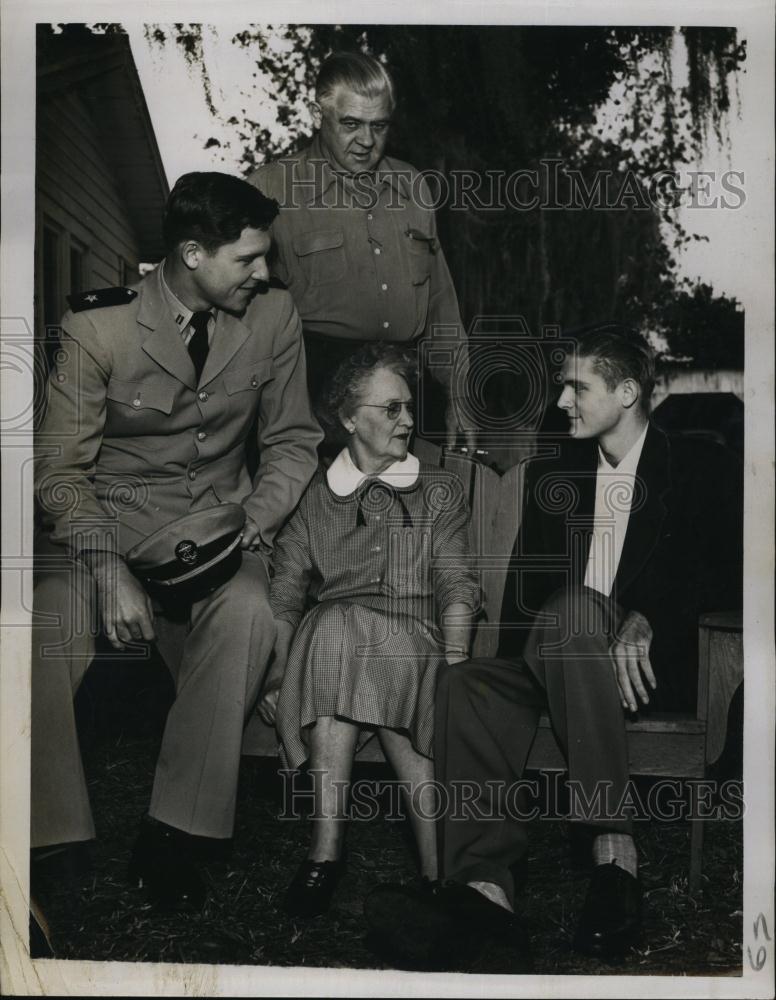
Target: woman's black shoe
{"points": [[312, 888]]}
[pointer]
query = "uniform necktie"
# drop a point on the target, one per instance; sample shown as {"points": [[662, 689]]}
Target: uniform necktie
{"points": [[198, 345]]}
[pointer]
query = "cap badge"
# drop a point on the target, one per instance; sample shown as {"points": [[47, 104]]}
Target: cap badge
{"points": [[187, 552]]}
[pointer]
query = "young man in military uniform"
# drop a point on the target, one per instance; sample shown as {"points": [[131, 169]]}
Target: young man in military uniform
{"points": [[154, 394], [356, 240]]}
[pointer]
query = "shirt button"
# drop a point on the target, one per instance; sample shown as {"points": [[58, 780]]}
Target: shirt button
{"points": [[254, 382], [370, 216], [61, 377], [375, 579], [384, 287], [377, 548], [136, 402], [377, 251], [201, 435], [192, 474], [386, 324], [203, 396]]}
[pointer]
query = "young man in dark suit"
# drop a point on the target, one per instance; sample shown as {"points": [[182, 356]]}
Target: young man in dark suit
{"points": [[627, 536]]}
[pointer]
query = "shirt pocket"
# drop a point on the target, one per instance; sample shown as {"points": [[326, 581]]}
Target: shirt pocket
{"points": [[139, 397], [420, 247], [321, 256], [248, 379]]}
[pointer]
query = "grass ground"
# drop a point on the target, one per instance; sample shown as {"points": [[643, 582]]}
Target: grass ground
{"points": [[105, 920]]}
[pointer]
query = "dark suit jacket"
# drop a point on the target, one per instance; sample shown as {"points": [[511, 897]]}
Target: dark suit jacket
{"points": [[682, 553]]}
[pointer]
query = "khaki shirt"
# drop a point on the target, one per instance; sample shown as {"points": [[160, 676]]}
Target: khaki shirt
{"points": [[362, 260]]}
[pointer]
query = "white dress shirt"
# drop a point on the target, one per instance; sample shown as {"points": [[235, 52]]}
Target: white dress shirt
{"points": [[614, 497], [182, 314]]}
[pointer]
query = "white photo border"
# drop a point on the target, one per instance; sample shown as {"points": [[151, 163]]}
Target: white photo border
{"points": [[18, 974]]}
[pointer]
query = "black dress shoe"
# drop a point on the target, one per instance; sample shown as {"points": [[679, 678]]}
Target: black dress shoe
{"points": [[438, 927], [311, 889], [519, 870], [162, 864], [40, 933], [580, 842], [59, 866], [611, 915]]}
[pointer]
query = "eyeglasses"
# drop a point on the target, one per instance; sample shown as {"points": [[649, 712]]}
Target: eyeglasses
{"points": [[393, 410]]}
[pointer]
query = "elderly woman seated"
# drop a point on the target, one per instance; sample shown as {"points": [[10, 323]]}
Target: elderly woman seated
{"points": [[379, 545]]}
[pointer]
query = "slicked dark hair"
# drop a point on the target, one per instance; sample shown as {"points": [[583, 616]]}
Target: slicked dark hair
{"points": [[619, 352], [346, 384], [213, 208]]}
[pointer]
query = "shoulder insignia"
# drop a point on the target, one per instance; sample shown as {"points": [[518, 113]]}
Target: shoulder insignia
{"points": [[99, 297]]}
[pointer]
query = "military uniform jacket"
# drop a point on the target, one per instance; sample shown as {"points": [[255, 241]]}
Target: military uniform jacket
{"points": [[361, 261], [130, 441]]}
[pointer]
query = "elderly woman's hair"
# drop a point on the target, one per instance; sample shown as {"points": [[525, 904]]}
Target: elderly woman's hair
{"points": [[356, 71], [346, 384]]}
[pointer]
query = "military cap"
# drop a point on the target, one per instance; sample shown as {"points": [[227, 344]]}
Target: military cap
{"points": [[191, 556]]}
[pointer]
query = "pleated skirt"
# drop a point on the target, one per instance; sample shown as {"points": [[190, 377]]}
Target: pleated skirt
{"points": [[363, 665]]}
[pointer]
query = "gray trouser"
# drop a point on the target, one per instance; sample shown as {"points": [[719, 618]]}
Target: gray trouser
{"points": [[487, 712], [217, 660]]}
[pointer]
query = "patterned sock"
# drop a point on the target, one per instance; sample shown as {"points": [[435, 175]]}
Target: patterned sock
{"points": [[492, 892], [618, 848]]}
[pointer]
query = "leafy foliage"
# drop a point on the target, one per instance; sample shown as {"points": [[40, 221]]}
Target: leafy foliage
{"points": [[484, 100], [708, 329]]}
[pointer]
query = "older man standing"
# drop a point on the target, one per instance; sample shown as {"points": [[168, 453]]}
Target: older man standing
{"points": [[356, 240], [155, 394]]}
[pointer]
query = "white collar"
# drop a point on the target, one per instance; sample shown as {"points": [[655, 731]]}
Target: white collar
{"points": [[344, 477], [629, 463]]}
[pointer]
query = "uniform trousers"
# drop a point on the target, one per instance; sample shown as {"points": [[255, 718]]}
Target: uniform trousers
{"points": [[487, 713], [217, 657]]}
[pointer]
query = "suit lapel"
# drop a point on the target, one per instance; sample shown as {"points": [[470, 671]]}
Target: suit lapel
{"points": [[585, 470], [646, 520], [163, 343], [228, 337]]}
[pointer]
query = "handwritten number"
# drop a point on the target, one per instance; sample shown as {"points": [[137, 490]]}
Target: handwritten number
{"points": [[759, 960]]}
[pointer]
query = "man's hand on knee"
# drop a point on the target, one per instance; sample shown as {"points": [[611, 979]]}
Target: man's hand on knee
{"points": [[630, 659], [125, 607]]}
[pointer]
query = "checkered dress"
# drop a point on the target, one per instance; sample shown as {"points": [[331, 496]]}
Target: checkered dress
{"points": [[379, 566]]}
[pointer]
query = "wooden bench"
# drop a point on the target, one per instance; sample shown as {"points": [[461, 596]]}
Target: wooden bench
{"points": [[671, 745]]}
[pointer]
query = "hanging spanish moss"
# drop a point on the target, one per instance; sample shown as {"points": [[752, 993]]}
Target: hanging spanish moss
{"points": [[713, 56]]}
